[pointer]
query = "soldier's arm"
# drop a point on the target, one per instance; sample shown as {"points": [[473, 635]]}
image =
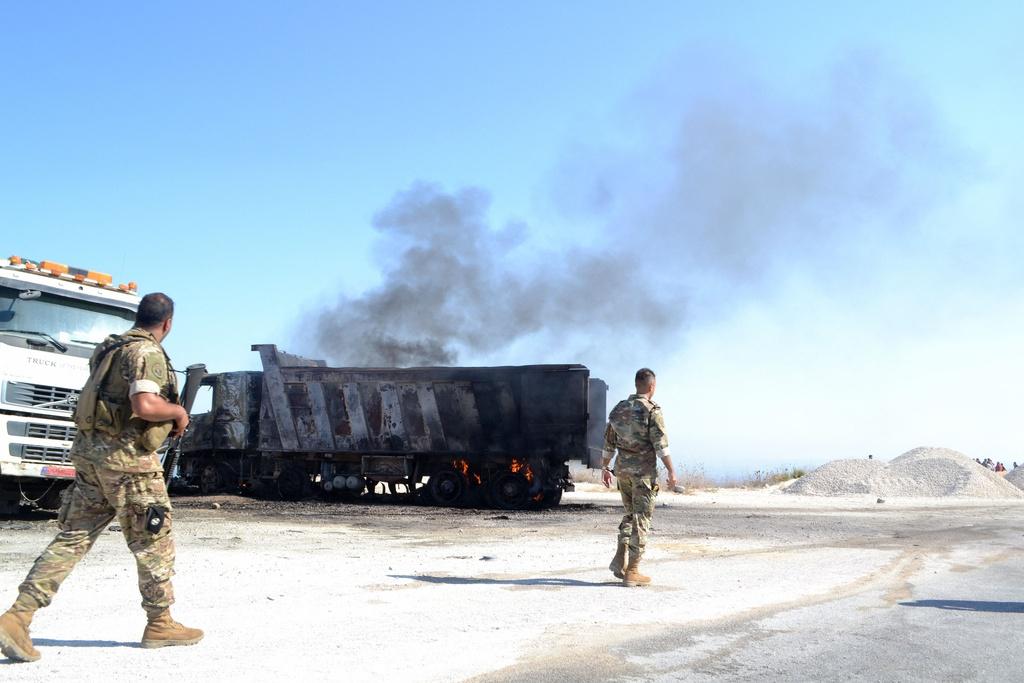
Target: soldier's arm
{"points": [[607, 453], [147, 374], [659, 439], [610, 444], [155, 408]]}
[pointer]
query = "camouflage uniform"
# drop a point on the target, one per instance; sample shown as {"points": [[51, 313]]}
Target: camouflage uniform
{"points": [[118, 475], [637, 429]]}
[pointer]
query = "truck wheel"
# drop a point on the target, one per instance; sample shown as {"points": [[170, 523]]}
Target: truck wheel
{"points": [[210, 480], [9, 506], [509, 491], [293, 484], [447, 487], [551, 498]]}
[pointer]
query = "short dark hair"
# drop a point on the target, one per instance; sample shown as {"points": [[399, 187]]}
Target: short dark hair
{"points": [[643, 378], [154, 309]]}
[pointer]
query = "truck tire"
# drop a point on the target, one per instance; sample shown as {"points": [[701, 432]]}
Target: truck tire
{"points": [[293, 484], [9, 506]]}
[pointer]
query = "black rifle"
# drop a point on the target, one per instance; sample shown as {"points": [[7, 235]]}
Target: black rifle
{"points": [[194, 375]]}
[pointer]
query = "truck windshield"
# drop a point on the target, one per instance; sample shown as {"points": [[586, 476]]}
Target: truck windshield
{"points": [[66, 319]]}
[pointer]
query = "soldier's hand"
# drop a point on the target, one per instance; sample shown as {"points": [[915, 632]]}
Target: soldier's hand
{"points": [[606, 478], [180, 423], [671, 483]]}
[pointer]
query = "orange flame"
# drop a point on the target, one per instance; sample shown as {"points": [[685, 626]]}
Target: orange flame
{"points": [[520, 466], [463, 466]]}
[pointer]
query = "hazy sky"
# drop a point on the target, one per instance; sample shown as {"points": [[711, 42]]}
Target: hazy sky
{"points": [[806, 221]]}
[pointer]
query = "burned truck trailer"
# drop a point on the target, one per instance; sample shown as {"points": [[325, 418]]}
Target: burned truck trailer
{"points": [[489, 436]]}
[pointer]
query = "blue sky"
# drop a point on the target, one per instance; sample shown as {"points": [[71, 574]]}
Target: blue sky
{"points": [[235, 154]]}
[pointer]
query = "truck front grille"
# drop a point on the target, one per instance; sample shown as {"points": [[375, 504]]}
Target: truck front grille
{"points": [[38, 430], [41, 396], [43, 455]]}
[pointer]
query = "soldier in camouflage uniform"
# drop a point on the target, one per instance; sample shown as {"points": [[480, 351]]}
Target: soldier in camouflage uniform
{"points": [[636, 429], [125, 412]]}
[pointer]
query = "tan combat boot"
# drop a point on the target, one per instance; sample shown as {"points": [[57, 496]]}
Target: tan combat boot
{"points": [[633, 577], [619, 561], [162, 631], [14, 639]]}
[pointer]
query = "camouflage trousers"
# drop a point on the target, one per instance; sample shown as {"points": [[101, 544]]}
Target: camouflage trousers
{"points": [[93, 501], [638, 494]]}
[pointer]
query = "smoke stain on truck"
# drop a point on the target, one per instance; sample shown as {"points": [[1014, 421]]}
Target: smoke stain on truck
{"points": [[453, 436]]}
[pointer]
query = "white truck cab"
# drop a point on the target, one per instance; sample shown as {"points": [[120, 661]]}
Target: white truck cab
{"points": [[51, 318]]}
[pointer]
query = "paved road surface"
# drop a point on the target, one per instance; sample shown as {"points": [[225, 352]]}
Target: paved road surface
{"points": [[748, 586]]}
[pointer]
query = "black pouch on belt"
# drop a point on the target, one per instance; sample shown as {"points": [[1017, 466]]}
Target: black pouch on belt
{"points": [[155, 519]]}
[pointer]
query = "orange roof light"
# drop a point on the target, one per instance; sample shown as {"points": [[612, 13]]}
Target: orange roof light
{"points": [[54, 268], [78, 274], [100, 278]]}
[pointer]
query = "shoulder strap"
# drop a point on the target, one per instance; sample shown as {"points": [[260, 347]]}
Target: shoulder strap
{"points": [[123, 341], [649, 407], [99, 367]]}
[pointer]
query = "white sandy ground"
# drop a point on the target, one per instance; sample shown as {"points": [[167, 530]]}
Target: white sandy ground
{"points": [[437, 597]]}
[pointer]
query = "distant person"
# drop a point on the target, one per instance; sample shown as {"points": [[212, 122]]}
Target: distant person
{"points": [[870, 456], [1000, 467], [1015, 464], [125, 412], [636, 429]]}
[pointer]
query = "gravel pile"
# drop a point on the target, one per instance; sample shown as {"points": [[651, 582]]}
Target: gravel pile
{"points": [[922, 472], [1016, 477], [838, 478]]}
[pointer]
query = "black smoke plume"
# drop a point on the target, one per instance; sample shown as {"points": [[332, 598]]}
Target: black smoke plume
{"points": [[456, 287], [730, 188]]}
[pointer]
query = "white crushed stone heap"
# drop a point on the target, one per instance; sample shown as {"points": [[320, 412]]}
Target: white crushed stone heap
{"points": [[919, 473], [838, 478], [1016, 477]]}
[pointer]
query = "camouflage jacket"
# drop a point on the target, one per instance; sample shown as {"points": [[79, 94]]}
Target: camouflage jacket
{"points": [[637, 429], [122, 441]]}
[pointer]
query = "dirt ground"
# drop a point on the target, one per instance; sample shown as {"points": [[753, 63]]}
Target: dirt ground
{"points": [[748, 585]]}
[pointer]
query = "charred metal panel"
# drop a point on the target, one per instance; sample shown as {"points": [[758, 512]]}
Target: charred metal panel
{"points": [[360, 432], [321, 419], [338, 418], [434, 430], [277, 406], [412, 416], [386, 466], [392, 426], [498, 411], [290, 360], [499, 416], [455, 433], [598, 420], [233, 420], [469, 417]]}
